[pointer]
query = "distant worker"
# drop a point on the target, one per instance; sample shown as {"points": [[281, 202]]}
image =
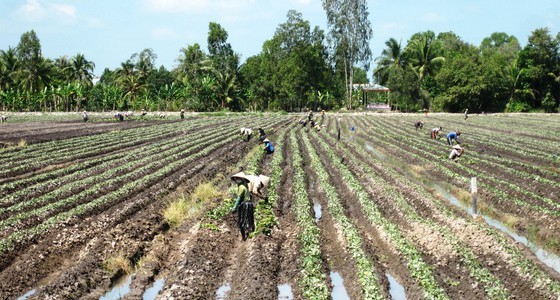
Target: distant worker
{"points": [[182, 114], [3, 119], [453, 136], [162, 115], [456, 152], [268, 147], [85, 116], [128, 114], [143, 113], [119, 117], [435, 132], [418, 125], [466, 114], [310, 115], [262, 134], [248, 132], [322, 117]]}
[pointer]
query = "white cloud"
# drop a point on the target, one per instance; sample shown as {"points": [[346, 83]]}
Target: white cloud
{"points": [[32, 10], [67, 10], [37, 10]]}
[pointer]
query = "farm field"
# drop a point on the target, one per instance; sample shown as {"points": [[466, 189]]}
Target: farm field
{"points": [[82, 208]]}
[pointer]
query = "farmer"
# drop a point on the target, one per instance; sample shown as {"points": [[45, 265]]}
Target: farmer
{"points": [[322, 117], [262, 135], [243, 205], [182, 114], [128, 114], [268, 147], [119, 117], [310, 115], [248, 132], [456, 152], [143, 112], [418, 125], [466, 116], [3, 119], [453, 136], [435, 132], [85, 116], [256, 184]]}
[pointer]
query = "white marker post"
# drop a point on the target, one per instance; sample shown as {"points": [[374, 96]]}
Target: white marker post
{"points": [[473, 193]]}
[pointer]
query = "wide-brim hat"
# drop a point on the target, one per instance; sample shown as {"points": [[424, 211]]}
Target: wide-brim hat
{"points": [[239, 175], [457, 147], [266, 140], [265, 180]]}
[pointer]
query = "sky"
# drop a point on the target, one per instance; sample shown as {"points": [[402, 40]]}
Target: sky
{"points": [[108, 32]]}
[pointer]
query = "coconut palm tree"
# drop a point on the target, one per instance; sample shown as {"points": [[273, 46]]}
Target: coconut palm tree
{"points": [[424, 56], [81, 70], [8, 68], [391, 57]]}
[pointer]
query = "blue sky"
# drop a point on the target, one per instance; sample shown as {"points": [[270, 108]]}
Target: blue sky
{"points": [[109, 32]]}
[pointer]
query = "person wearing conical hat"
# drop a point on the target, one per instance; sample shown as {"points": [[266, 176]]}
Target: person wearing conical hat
{"points": [[256, 184], [182, 114], [242, 189], [248, 132], [456, 152], [268, 147], [85, 116], [244, 206], [435, 132]]}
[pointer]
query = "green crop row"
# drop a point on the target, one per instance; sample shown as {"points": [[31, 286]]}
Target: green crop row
{"points": [[366, 271], [313, 282], [418, 268]]}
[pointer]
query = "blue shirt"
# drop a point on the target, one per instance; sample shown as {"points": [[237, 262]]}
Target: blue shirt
{"points": [[269, 147], [452, 135]]}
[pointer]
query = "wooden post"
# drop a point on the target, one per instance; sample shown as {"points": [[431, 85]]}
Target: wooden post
{"points": [[473, 193]]}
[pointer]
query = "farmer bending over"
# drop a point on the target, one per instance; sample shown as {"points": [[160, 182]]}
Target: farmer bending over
{"points": [[268, 147], [256, 185], [119, 117], [248, 132], [453, 136], [435, 132], [182, 114], [85, 116], [418, 125], [3, 119], [262, 135], [456, 152]]}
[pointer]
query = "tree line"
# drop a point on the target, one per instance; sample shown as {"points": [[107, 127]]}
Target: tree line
{"points": [[298, 68], [444, 73]]}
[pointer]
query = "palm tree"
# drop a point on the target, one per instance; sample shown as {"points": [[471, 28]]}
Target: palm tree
{"points": [[81, 70], [424, 57], [35, 76], [8, 68], [391, 57]]}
